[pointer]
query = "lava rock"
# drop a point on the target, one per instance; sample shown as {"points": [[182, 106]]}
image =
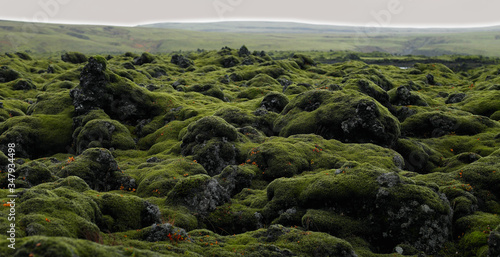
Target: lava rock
{"points": [[74, 57], [243, 51], [199, 193], [181, 61], [430, 79], [99, 170], [234, 178], [210, 141], [163, 232], [120, 99], [403, 96], [24, 85], [274, 102], [342, 115], [34, 173], [143, 59], [7, 74], [455, 98], [229, 62]]}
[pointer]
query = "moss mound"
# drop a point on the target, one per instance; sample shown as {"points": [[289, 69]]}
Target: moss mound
{"points": [[98, 168], [330, 114]]}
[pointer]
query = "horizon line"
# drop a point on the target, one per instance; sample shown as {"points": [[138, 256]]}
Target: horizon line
{"points": [[308, 22]]}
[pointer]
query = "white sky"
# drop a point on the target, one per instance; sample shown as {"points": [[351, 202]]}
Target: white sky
{"points": [[392, 13]]}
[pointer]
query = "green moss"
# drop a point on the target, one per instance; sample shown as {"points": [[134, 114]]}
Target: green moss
{"points": [[473, 232], [208, 90], [186, 186], [235, 116], [418, 156], [52, 104], [7, 74], [59, 212], [37, 135], [482, 174], [126, 212], [159, 179], [74, 57], [58, 86], [233, 219], [68, 247], [103, 133], [303, 61], [207, 128], [71, 182], [98, 168], [33, 173], [368, 88], [334, 224], [437, 124], [329, 114], [484, 103]]}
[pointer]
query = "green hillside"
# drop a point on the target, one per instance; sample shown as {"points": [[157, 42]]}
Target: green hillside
{"points": [[53, 38]]}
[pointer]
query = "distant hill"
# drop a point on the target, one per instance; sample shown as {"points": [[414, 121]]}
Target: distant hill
{"points": [[298, 28], [168, 37]]}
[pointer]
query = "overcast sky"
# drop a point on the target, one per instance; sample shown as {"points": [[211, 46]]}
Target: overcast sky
{"points": [[395, 13]]}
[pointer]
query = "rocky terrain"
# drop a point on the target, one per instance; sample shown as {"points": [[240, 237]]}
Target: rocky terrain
{"points": [[233, 153]]}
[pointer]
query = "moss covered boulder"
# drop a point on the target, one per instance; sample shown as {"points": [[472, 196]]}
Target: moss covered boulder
{"points": [[122, 213], [274, 102], [143, 59], [396, 208], [344, 115], [211, 142], [58, 212], [104, 133], [199, 193], [74, 57], [7, 74], [437, 124], [119, 98], [36, 135], [157, 179], [99, 170], [34, 173]]}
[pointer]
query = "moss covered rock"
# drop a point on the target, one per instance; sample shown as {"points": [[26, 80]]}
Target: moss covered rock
{"points": [[199, 193], [358, 192], [99, 170], [161, 178], [68, 247], [209, 140], [437, 124], [208, 90], [418, 156], [122, 213], [34, 173], [144, 58], [58, 212], [181, 61], [274, 102], [37, 135], [74, 57], [343, 115], [7, 74], [121, 100], [103, 133]]}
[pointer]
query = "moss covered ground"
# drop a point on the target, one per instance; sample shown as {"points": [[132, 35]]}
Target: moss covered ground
{"points": [[235, 152]]}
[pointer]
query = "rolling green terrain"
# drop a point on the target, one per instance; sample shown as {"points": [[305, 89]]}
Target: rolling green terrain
{"points": [[53, 38], [230, 152]]}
